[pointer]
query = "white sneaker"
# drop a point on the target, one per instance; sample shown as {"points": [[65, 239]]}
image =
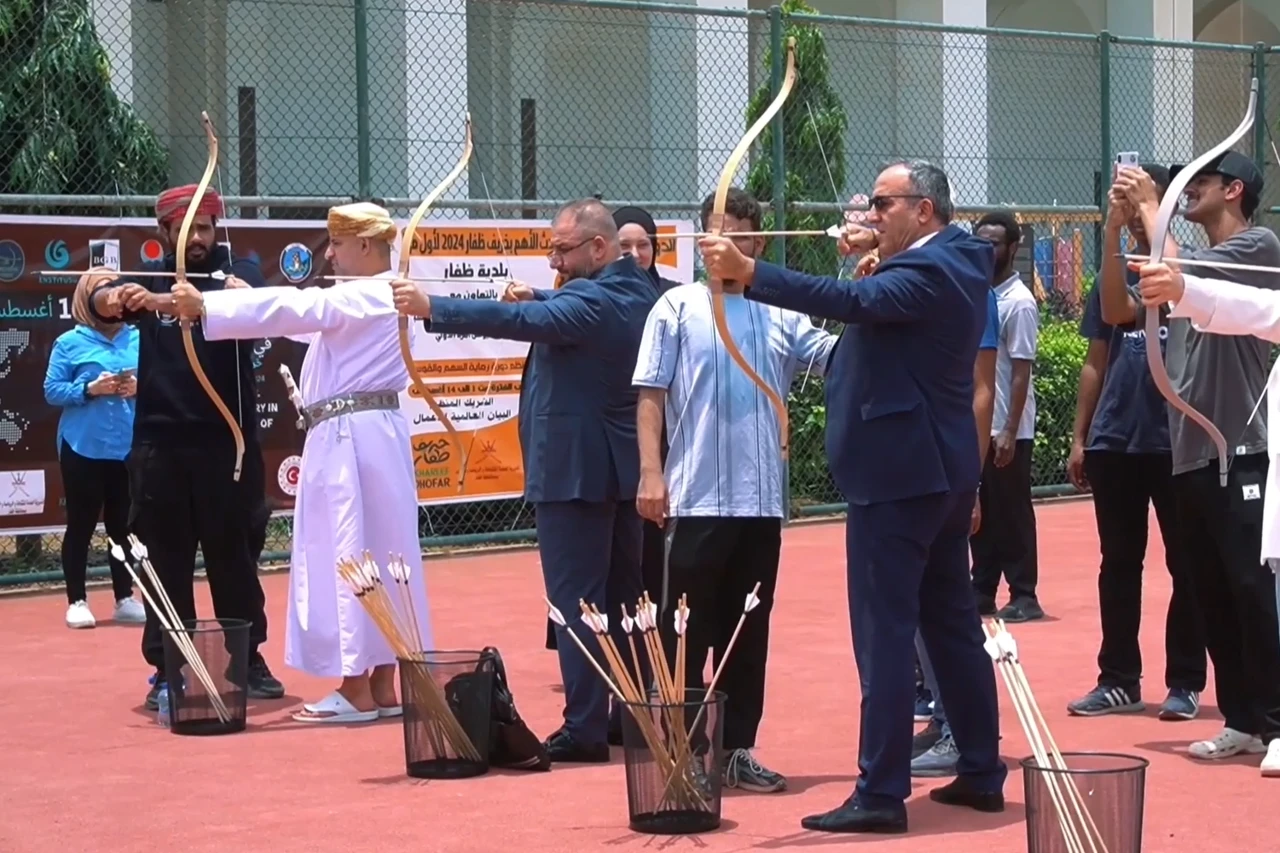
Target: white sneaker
{"points": [[1229, 742], [130, 610], [1271, 764], [80, 616]]}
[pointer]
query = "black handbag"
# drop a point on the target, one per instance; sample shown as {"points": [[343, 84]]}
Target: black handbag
{"points": [[512, 743]]}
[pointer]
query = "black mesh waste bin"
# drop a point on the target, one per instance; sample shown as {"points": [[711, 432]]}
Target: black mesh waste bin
{"points": [[222, 646], [448, 709], [674, 758], [1106, 804]]}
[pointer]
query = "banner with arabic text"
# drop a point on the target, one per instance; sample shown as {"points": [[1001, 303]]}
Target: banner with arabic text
{"points": [[478, 378]]}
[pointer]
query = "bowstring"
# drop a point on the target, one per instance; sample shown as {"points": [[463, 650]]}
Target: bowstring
{"points": [[226, 230], [835, 193]]}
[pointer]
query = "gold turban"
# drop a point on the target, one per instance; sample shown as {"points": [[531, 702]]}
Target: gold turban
{"points": [[362, 219]]}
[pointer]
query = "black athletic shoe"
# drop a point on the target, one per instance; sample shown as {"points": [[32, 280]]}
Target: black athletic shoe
{"points": [[262, 684]]}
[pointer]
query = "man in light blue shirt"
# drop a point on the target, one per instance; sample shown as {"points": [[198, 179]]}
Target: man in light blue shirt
{"points": [[727, 481]]}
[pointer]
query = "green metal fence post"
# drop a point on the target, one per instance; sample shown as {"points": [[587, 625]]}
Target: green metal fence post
{"points": [[776, 70], [1260, 118], [364, 159], [1104, 135]]}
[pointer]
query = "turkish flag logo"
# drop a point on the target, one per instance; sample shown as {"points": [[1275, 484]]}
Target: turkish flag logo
{"points": [[151, 251]]}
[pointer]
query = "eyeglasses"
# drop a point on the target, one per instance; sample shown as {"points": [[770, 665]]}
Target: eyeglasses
{"points": [[881, 203], [556, 250]]}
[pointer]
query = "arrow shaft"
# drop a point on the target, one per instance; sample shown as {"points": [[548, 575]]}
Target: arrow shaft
{"points": [[129, 273], [732, 234], [1189, 262]]}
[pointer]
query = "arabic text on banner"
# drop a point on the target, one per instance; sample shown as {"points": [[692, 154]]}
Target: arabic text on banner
{"points": [[477, 380]]}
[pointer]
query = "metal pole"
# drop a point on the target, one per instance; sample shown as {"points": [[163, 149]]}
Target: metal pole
{"points": [[364, 159], [1104, 134], [776, 70]]}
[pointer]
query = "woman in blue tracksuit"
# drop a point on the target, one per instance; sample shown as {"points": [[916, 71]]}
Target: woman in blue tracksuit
{"points": [[92, 378]]}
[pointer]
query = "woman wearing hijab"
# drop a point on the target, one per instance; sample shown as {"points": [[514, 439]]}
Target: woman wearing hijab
{"points": [[638, 235], [92, 377]]}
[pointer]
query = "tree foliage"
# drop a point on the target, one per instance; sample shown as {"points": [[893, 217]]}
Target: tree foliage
{"points": [[63, 129], [813, 127], [813, 131]]}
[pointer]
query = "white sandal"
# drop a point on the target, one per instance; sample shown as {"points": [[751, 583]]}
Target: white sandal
{"points": [[337, 708], [390, 711]]}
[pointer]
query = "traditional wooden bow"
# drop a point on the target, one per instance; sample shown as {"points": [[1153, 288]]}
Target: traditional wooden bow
{"points": [[180, 277], [1168, 207], [715, 227], [406, 353]]}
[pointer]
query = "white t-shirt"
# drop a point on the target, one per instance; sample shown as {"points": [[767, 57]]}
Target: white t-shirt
{"points": [[1019, 334], [725, 459]]}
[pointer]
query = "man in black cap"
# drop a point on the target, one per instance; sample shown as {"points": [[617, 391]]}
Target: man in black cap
{"points": [[1224, 377]]}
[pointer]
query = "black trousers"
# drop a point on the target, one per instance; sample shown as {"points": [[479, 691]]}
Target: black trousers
{"points": [[184, 499], [1123, 484], [1005, 544], [653, 566], [1222, 531], [94, 488], [716, 562]]}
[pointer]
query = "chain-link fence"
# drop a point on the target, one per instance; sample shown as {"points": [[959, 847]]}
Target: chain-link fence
{"points": [[318, 103]]}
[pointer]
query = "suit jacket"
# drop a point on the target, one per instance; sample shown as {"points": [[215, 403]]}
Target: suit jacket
{"points": [[577, 404], [1222, 307], [899, 383]]}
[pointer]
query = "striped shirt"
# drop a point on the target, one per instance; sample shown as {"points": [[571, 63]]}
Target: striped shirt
{"points": [[725, 458]]}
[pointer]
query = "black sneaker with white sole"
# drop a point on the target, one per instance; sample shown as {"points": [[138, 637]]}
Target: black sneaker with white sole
{"points": [[1105, 699], [742, 771]]}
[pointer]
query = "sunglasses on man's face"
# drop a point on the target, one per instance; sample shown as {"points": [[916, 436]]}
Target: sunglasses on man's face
{"points": [[881, 203]]}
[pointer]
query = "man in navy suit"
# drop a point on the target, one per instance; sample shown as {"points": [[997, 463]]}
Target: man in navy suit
{"points": [[901, 442], [577, 436]]}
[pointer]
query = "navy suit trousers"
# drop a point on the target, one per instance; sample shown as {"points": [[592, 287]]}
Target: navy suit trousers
{"points": [[590, 552], [908, 568]]}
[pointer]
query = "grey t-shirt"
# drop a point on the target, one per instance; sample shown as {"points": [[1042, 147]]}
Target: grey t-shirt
{"points": [[1222, 376]]}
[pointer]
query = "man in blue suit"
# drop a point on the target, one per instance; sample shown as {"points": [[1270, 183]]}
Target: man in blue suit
{"points": [[901, 443], [577, 436]]}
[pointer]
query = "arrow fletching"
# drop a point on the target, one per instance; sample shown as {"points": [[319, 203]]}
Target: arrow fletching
{"points": [[1007, 644], [554, 614]]}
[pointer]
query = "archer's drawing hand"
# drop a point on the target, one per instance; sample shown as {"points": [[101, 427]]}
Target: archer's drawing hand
{"points": [[651, 497], [187, 301], [127, 297], [410, 301], [1159, 284], [724, 261], [517, 291], [234, 283], [856, 239]]}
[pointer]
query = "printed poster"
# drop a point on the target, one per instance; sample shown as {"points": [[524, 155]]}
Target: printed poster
{"points": [[477, 381]]}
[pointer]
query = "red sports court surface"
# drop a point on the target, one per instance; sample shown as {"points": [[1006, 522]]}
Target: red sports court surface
{"points": [[83, 768]]}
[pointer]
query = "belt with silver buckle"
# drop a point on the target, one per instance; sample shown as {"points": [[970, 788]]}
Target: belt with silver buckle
{"points": [[349, 404]]}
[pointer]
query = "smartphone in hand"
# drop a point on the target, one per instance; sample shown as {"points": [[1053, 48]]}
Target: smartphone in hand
{"points": [[1125, 160]]}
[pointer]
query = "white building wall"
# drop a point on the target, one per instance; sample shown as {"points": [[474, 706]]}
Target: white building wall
{"points": [[652, 108]]}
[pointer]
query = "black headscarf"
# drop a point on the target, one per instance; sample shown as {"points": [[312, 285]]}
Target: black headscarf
{"points": [[639, 216]]}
